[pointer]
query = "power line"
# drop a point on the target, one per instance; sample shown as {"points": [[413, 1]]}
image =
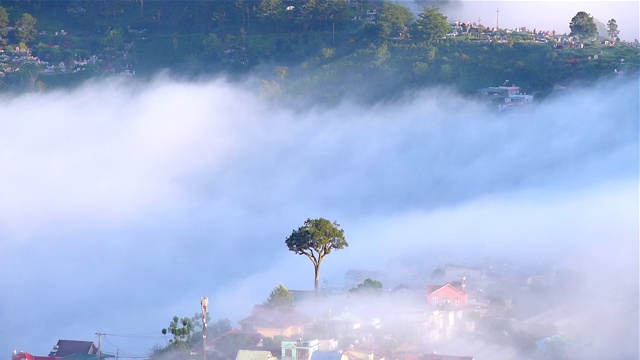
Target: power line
{"points": [[136, 335]]}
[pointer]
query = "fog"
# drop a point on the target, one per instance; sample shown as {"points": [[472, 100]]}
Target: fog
{"points": [[122, 203]]}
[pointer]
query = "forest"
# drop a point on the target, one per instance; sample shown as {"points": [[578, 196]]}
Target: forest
{"points": [[369, 50]]}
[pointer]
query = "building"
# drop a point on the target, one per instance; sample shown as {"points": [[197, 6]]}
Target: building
{"points": [[273, 321], [449, 294]]}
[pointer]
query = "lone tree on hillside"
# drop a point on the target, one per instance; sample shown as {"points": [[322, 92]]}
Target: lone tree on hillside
{"points": [[612, 29], [583, 26], [316, 239]]}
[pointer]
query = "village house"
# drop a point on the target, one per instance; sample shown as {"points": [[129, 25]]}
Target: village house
{"points": [[273, 321], [449, 294]]}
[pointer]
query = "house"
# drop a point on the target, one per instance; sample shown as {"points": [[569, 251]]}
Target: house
{"points": [[300, 349], [254, 355], [65, 348], [21, 355], [272, 321], [449, 294]]}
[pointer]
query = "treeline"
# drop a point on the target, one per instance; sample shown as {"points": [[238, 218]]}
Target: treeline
{"points": [[355, 47]]}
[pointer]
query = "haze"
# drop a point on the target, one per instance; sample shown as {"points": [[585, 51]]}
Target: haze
{"points": [[122, 203], [545, 15]]}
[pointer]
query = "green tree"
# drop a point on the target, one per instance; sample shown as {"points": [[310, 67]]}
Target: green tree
{"points": [[392, 20], [280, 297], [431, 25], [181, 329], [316, 239], [368, 286], [4, 22], [26, 28], [583, 26], [612, 29]]}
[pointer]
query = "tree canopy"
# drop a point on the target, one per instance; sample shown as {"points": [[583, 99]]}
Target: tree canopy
{"points": [[316, 239], [583, 26], [26, 28], [612, 29], [4, 22], [280, 297], [431, 25], [368, 286]]}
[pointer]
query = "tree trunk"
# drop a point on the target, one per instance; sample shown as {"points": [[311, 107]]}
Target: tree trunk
{"points": [[317, 278]]}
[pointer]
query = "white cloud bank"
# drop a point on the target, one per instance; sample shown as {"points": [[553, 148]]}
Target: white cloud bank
{"points": [[121, 204]]}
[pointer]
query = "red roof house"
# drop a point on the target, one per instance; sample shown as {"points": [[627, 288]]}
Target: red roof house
{"points": [[449, 294]]}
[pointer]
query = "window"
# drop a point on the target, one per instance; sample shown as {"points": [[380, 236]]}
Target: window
{"points": [[288, 352], [457, 301], [434, 300]]}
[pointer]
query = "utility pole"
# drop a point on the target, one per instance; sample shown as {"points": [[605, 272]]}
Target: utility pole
{"points": [[497, 13], [204, 303], [99, 333]]}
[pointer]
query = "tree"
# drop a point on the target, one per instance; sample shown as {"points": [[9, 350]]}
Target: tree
{"points": [[280, 297], [4, 22], [26, 28], [612, 29], [316, 239], [392, 20], [583, 26], [368, 286], [181, 329], [431, 25]]}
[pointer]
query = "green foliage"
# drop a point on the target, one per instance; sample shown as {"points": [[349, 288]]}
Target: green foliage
{"points": [[4, 22], [583, 26], [431, 25], [612, 29], [229, 344], [280, 297], [181, 329], [392, 20], [368, 286], [316, 239], [26, 28]]}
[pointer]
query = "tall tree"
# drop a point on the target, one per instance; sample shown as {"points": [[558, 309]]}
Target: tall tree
{"points": [[431, 25], [181, 329], [583, 26], [393, 20], [4, 22], [280, 297], [316, 239], [612, 29], [26, 28]]}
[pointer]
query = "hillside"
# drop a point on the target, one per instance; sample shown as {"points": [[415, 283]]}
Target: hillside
{"points": [[367, 49]]}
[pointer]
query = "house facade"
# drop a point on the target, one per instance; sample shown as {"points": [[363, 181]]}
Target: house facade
{"points": [[299, 349], [449, 294], [271, 322]]}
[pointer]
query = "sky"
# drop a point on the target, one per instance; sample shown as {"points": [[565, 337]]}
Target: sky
{"points": [[544, 15]]}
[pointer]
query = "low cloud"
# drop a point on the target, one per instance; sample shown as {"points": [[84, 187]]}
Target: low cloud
{"points": [[121, 203]]}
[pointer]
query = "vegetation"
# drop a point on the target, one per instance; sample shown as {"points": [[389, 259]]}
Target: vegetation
{"points": [[187, 335], [358, 48], [280, 297], [583, 26], [316, 239], [368, 286]]}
